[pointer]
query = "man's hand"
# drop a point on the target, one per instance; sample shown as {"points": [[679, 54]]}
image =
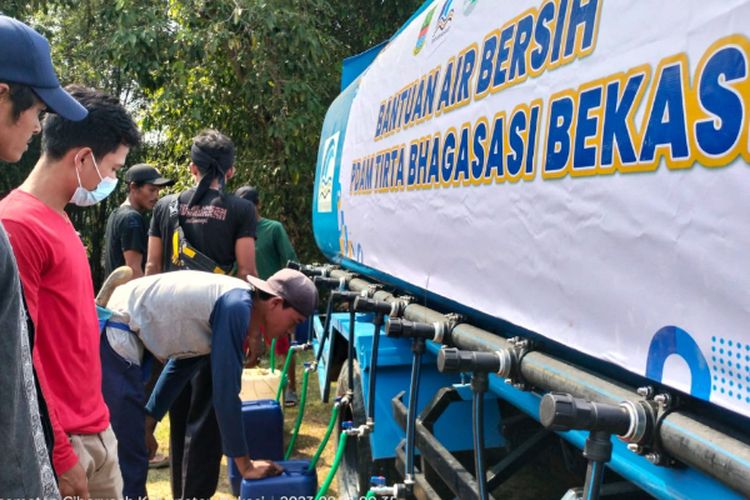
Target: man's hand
{"points": [[74, 483], [151, 444], [257, 469]]}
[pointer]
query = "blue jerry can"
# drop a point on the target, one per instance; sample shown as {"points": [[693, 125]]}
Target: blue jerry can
{"points": [[264, 432], [295, 481]]}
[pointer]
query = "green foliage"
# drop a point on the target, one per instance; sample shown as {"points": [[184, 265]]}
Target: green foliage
{"points": [[262, 72]]}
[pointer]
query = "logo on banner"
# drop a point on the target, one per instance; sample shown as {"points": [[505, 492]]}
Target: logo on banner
{"points": [[423, 31], [444, 20], [325, 186], [469, 6]]}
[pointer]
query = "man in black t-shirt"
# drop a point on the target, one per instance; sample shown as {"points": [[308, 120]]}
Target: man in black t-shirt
{"points": [[126, 238], [221, 227], [217, 226]]}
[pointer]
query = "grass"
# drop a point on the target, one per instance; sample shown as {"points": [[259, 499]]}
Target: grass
{"points": [[317, 415]]}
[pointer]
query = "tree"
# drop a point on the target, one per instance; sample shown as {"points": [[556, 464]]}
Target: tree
{"points": [[262, 72]]}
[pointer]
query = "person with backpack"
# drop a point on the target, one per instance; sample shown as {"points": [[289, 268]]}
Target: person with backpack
{"points": [[206, 229]]}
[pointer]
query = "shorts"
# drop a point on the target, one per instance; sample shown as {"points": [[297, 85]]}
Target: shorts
{"points": [[282, 344]]}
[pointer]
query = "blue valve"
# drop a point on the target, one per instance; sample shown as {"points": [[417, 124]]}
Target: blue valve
{"points": [[377, 481], [347, 425], [307, 365]]}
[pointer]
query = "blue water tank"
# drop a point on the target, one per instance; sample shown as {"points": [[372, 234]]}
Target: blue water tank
{"points": [[264, 432]]}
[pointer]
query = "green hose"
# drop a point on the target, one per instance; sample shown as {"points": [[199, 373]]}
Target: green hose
{"points": [[284, 380], [301, 413], [370, 494], [334, 466], [272, 362], [324, 442]]}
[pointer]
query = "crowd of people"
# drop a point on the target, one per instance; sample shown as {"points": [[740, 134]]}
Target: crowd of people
{"points": [[83, 389]]}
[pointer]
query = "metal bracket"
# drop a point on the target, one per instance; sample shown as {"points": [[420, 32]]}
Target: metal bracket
{"points": [[401, 302], [326, 268], [658, 406], [372, 288], [461, 482], [452, 320], [406, 299], [519, 347]]}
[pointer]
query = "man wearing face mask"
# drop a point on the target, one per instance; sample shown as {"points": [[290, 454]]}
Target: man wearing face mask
{"points": [[28, 86], [78, 165]]}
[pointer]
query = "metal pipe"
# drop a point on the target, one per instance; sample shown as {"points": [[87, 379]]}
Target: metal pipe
{"points": [[686, 437]]}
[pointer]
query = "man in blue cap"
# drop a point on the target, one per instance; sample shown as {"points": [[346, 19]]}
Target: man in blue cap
{"points": [[28, 86]]}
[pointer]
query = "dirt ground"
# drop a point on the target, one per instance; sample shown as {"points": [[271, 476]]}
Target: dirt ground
{"points": [[313, 428]]}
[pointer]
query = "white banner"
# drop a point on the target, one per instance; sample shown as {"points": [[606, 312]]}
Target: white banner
{"points": [[576, 168]]}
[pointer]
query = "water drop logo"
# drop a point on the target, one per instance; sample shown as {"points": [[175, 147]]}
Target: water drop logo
{"points": [[325, 185], [444, 20]]}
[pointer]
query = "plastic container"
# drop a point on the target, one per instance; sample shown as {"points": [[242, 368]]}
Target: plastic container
{"points": [[259, 383], [295, 481], [264, 428]]}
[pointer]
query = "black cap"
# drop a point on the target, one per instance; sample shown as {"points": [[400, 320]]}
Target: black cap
{"points": [[249, 193], [147, 174]]}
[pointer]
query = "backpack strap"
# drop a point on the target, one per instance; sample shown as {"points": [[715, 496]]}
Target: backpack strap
{"points": [[184, 255]]}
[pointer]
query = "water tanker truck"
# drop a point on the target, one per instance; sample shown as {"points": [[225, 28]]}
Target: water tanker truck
{"points": [[535, 216]]}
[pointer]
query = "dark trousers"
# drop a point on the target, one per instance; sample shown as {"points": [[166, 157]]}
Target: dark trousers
{"points": [[122, 387], [195, 441]]}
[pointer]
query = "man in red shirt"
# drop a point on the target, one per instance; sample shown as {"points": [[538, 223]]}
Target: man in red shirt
{"points": [[78, 165], [28, 85]]}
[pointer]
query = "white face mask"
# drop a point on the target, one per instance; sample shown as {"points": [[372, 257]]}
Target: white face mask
{"points": [[85, 198]]}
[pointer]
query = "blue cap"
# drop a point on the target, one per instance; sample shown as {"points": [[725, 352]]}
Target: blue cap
{"points": [[25, 59]]}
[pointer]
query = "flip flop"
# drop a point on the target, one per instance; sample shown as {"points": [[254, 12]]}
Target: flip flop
{"points": [[158, 462], [290, 398]]}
